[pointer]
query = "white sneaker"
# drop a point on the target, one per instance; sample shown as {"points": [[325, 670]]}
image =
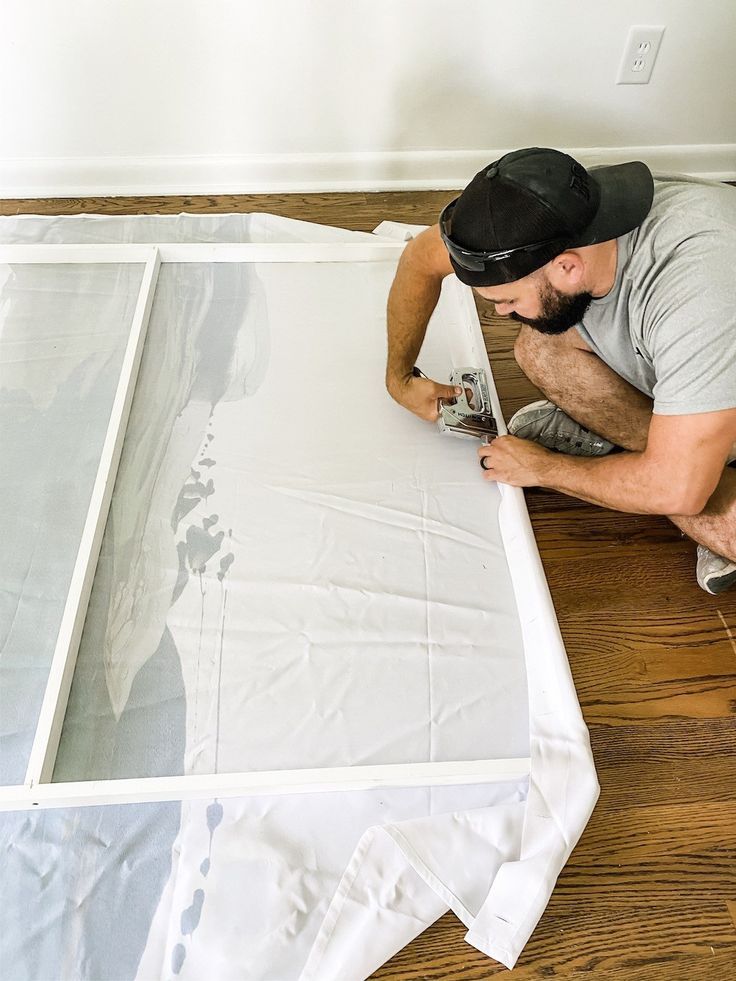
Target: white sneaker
{"points": [[544, 423], [714, 572]]}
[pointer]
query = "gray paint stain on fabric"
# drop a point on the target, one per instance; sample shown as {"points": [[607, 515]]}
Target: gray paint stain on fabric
{"points": [[182, 577], [178, 956], [201, 546], [225, 562], [189, 497], [214, 816], [190, 916]]}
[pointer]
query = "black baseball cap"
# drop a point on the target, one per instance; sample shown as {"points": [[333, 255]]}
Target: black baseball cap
{"points": [[521, 211]]}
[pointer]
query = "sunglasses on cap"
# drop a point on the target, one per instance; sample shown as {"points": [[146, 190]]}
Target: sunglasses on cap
{"points": [[476, 261]]}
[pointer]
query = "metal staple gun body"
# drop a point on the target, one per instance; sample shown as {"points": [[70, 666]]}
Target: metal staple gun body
{"points": [[470, 414]]}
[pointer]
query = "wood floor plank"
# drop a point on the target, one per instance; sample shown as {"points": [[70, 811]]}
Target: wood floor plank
{"points": [[649, 894], [358, 211], [731, 907], [650, 782], [675, 741], [682, 940]]}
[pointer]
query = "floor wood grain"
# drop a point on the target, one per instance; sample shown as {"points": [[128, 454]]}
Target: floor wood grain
{"points": [[649, 893]]}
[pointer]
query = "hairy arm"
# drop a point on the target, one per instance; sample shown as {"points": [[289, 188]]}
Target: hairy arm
{"points": [[414, 294], [675, 475]]}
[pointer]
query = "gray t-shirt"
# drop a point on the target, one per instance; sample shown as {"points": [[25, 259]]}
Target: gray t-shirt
{"points": [[668, 326]]}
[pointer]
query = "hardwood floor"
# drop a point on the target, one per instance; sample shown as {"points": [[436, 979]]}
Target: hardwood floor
{"points": [[650, 891]]}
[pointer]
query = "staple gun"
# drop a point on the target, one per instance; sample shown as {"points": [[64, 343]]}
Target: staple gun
{"points": [[470, 414]]}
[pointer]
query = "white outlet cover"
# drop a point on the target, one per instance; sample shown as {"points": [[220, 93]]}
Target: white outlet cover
{"points": [[640, 53]]}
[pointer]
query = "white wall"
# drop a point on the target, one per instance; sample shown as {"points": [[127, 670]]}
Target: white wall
{"points": [[157, 96]]}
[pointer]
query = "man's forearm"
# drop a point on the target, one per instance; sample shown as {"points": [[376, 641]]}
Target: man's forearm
{"points": [[623, 482], [676, 474], [411, 301]]}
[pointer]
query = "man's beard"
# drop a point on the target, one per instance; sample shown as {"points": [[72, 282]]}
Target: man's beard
{"points": [[560, 312]]}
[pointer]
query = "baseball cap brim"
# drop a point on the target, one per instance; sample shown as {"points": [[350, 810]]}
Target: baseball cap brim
{"points": [[627, 191]]}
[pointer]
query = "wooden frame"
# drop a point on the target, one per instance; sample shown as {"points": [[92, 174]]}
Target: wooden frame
{"points": [[38, 790], [256, 783], [53, 708], [205, 252]]}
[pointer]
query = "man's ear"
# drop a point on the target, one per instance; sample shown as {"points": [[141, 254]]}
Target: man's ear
{"points": [[566, 271]]}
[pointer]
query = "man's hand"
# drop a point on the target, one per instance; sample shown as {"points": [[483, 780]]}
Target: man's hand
{"points": [[420, 395], [515, 461]]}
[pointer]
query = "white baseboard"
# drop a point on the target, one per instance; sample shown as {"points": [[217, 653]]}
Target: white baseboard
{"points": [[413, 170]]}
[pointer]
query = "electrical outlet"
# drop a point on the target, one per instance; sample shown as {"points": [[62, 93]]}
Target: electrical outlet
{"points": [[640, 54]]}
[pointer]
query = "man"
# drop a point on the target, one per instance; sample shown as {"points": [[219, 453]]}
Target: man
{"points": [[625, 287]]}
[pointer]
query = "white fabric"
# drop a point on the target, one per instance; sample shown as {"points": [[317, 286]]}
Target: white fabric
{"points": [[345, 590]]}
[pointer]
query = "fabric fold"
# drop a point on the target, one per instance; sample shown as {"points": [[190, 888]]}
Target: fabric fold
{"points": [[411, 872]]}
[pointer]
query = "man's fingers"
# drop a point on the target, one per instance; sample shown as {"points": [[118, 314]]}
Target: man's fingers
{"points": [[432, 393], [422, 395], [447, 391], [484, 456]]}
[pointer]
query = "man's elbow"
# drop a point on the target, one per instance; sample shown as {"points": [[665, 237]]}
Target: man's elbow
{"points": [[687, 500], [428, 253], [685, 507]]}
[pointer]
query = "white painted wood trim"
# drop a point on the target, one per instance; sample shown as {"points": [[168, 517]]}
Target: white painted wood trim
{"points": [[284, 173], [205, 252], [283, 252], [263, 783], [53, 254], [46, 741]]}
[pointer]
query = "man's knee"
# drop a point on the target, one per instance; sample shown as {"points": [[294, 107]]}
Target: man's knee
{"points": [[534, 353], [525, 348], [543, 356]]}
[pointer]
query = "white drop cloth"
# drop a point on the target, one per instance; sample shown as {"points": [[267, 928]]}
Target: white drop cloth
{"points": [[297, 573]]}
